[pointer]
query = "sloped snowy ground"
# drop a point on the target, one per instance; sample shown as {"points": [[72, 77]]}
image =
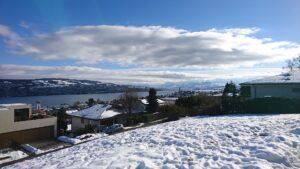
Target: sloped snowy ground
{"points": [[8, 154], [271, 141]]}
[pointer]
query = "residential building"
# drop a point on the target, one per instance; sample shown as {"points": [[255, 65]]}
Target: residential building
{"points": [[99, 114], [283, 85], [18, 125], [169, 100], [142, 104]]}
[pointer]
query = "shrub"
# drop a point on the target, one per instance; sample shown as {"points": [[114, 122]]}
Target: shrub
{"points": [[87, 129], [172, 112], [197, 105]]}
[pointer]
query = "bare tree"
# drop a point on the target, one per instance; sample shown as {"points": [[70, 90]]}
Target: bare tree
{"points": [[128, 99], [293, 64]]}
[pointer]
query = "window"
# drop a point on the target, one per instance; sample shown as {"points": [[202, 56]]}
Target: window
{"points": [[82, 120], [21, 114]]}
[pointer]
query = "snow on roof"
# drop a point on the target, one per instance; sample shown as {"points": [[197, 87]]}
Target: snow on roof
{"points": [[3, 109], [159, 101], [109, 113], [71, 111], [96, 112], [169, 98], [291, 77], [13, 104]]}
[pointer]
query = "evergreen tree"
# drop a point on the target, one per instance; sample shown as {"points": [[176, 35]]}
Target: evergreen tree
{"points": [[230, 88], [229, 103], [91, 102], [152, 105], [62, 119]]}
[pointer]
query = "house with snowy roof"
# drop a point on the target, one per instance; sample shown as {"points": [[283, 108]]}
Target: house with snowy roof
{"points": [[159, 101], [283, 85], [99, 114], [142, 104]]}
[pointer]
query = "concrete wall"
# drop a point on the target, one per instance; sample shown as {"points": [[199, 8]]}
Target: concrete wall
{"points": [[280, 90], [7, 123], [26, 136]]}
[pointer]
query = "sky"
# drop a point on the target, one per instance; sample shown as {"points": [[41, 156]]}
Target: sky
{"points": [[148, 42]]}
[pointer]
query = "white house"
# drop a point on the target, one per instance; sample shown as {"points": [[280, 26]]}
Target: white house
{"points": [[169, 100], [142, 104], [19, 125], [100, 114], [283, 85]]}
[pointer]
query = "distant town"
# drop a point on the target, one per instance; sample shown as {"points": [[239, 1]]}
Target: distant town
{"points": [[30, 129]]}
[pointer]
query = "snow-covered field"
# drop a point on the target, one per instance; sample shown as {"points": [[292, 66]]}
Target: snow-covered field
{"points": [[271, 141]]}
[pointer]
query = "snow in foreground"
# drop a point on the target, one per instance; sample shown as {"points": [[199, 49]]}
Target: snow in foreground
{"points": [[8, 154], [271, 141]]}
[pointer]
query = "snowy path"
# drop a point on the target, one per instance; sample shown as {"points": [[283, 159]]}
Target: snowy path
{"points": [[246, 142]]}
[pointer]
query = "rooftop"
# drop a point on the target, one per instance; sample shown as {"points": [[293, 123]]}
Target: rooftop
{"points": [[159, 101], [96, 112], [284, 78], [13, 104], [5, 107]]}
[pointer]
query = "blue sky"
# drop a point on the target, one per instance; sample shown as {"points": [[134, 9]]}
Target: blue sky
{"points": [[144, 42]]}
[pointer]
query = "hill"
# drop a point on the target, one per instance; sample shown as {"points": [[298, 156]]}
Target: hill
{"points": [[261, 141], [43, 87]]}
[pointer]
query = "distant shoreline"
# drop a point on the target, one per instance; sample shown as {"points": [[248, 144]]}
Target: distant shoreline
{"points": [[58, 100]]}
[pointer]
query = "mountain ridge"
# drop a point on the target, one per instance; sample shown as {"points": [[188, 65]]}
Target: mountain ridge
{"points": [[59, 86]]}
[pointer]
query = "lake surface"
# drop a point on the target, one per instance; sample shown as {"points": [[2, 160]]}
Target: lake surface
{"points": [[57, 100]]}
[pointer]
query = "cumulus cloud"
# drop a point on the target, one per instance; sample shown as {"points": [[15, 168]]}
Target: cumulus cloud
{"points": [[132, 76], [154, 46]]}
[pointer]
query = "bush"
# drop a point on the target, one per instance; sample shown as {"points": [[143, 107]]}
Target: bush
{"points": [[198, 105], [87, 129], [172, 112]]}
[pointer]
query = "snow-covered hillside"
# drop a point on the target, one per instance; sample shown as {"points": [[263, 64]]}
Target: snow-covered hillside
{"points": [[271, 141], [40, 87]]}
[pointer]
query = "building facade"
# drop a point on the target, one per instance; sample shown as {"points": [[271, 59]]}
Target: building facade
{"points": [[283, 85], [18, 125], [99, 114]]}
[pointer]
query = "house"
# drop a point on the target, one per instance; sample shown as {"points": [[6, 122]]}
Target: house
{"points": [[19, 125], [159, 101], [283, 85], [99, 114], [169, 100], [142, 104]]}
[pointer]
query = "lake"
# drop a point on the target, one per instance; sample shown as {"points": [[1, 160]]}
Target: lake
{"points": [[57, 100]]}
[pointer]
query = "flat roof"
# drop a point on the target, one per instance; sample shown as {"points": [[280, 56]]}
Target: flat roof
{"points": [[13, 104], [284, 78], [3, 109]]}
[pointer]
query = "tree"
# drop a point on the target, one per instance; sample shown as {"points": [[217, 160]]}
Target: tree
{"points": [[230, 88], [293, 64], [128, 99], [152, 105], [62, 119], [91, 102], [229, 104]]}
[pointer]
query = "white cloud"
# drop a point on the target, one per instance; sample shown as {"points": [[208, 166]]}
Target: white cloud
{"points": [[133, 76], [24, 25], [154, 46], [6, 32]]}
